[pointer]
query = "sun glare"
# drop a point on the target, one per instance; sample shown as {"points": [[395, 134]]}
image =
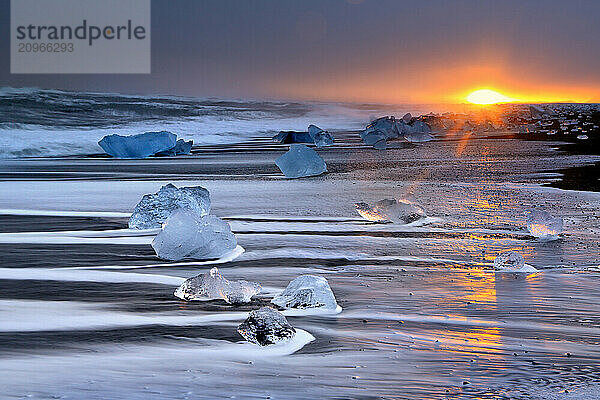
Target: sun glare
{"points": [[487, 96]]}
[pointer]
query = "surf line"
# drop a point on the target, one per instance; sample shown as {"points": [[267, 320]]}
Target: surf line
{"points": [[58, 213], [64, 274], [235, 253]]}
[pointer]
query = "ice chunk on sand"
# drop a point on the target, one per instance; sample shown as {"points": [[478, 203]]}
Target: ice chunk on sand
{"points": [[377, 139], [181, 148], [386, 125], [319, 136], [510, 261], [301, 161], [138, 146], [266, 326], [187, 234], [314, 135], [379, 131], [537, 112], [417, 132], [212, 285], [293, 137], [384, 128], [543, 225], [155, 208], [467, 126], [390, 210], [486, 126], [307, 291], [437, 123]]}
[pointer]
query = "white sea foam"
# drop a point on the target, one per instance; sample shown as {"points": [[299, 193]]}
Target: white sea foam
{"points": [[73, 275], [235, 253], [525, 269], [295, 312], [109, 233], [59, 213], [297, 252], [32, 315], [288, 218], [317, 225], [425, 221], [52, 238], [250, 351], [95, 275], [325, 254], [161, 371]]}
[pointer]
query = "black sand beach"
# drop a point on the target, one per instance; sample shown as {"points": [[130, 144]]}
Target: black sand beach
{"points": [[284, 200], [423, 311]]}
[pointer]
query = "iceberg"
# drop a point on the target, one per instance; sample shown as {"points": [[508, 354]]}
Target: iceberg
{"points": [[187, 234], [266, 326], [138, 146], [301, 161], [543, 225], [320, 137], [212, 286], [391, 210], [307, 291], [181, 148], [288, 137], [154, 209]]}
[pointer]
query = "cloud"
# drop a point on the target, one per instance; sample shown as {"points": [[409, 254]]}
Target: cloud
{"points": [[385, 50]]}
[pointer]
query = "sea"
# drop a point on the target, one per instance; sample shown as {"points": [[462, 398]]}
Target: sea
{"points": [[46, 123]]}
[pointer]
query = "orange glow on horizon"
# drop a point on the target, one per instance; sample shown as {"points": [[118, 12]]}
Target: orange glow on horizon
{"points": [[450, 92], [436, 84], [488, 96]]}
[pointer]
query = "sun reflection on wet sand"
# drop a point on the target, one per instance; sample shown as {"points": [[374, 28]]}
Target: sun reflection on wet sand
{"points": [[462, 143], [476, 341], [483, 292], [480, 288]]}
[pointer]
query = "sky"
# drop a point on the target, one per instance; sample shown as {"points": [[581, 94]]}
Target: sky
{"points": [[385, 51]]}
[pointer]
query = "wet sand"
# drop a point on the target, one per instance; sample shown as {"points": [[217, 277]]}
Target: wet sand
{"points": [[424, 315]]}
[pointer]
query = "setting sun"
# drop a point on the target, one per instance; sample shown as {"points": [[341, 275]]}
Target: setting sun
{"points": [[487, 96]]}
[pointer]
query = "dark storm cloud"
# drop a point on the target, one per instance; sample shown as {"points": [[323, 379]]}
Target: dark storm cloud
{"points": [[371, 49]]}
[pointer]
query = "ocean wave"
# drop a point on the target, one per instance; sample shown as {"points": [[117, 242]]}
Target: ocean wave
{"points": [[41, 123], [64, 109]]}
